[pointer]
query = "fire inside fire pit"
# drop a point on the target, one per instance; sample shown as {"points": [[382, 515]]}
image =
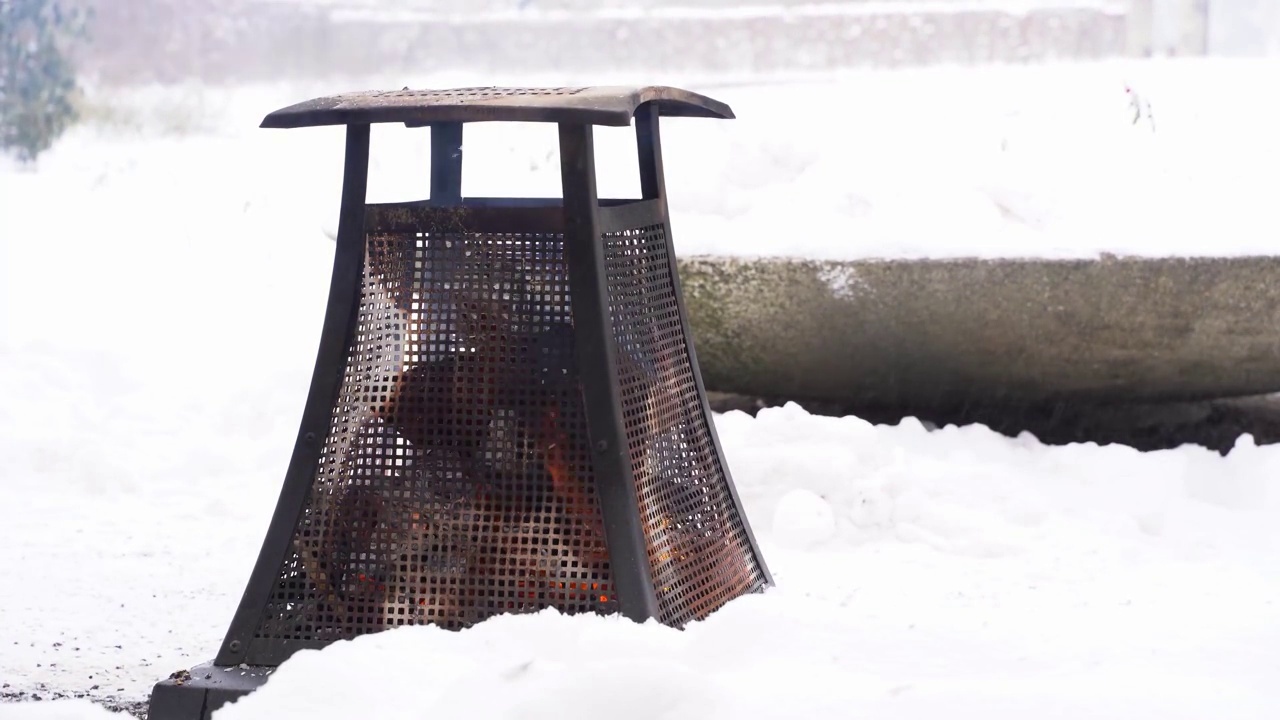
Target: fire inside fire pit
{"points": [[457, 483]]}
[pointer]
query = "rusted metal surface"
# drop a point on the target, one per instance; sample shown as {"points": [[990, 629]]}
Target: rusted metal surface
{"points": [[698, 542], [586, 105]]}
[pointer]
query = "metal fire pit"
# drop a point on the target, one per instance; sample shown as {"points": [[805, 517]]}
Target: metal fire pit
{"points": [[506, 412]]}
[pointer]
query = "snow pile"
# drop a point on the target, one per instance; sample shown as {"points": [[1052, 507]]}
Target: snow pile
{"points": [[162, 298], [916, 572]]}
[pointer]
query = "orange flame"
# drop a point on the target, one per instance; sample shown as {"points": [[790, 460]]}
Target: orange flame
{"points": [[568, 487]]}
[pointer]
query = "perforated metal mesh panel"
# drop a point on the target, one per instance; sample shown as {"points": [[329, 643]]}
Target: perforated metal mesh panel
{"points": [[455, 482], [698, 548]]}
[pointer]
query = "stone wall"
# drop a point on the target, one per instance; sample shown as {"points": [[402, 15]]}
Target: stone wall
{"points": [[908, 334]]}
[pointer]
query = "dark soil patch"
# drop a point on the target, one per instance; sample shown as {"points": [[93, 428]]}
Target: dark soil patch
{"points": [[42, 693], [1213, 424]]}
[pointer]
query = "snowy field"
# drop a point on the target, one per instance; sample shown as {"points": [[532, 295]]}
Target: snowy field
{"points": [[164, 276]]}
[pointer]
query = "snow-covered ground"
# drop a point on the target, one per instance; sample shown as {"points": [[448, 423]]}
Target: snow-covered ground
{"points": [[162, 296]]}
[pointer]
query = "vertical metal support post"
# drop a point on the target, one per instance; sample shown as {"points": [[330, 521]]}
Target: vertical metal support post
{"points": [[653, 183], [326, 382], [596, 356], [446, 162], [653, 186]]}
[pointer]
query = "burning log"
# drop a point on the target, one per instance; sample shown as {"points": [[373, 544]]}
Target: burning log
{"points": [[462, 459]]}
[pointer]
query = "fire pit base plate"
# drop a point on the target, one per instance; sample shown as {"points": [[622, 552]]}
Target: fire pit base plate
{"points": [[196, 693]]}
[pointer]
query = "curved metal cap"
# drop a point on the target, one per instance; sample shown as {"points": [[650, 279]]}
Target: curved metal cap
{"points": [[589, 105]]}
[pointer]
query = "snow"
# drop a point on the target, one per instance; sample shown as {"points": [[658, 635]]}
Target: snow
{"points": [[803, 519], [1025, 162], [916, 572], [162, 298]]}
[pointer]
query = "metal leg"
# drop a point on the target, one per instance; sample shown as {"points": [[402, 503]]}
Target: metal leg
{"points": [[339, 322], [446, 162], [653, 184], [597, 362]]}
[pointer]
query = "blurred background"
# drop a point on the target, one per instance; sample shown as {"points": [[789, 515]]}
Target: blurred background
{"points": [[221, 40]]}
